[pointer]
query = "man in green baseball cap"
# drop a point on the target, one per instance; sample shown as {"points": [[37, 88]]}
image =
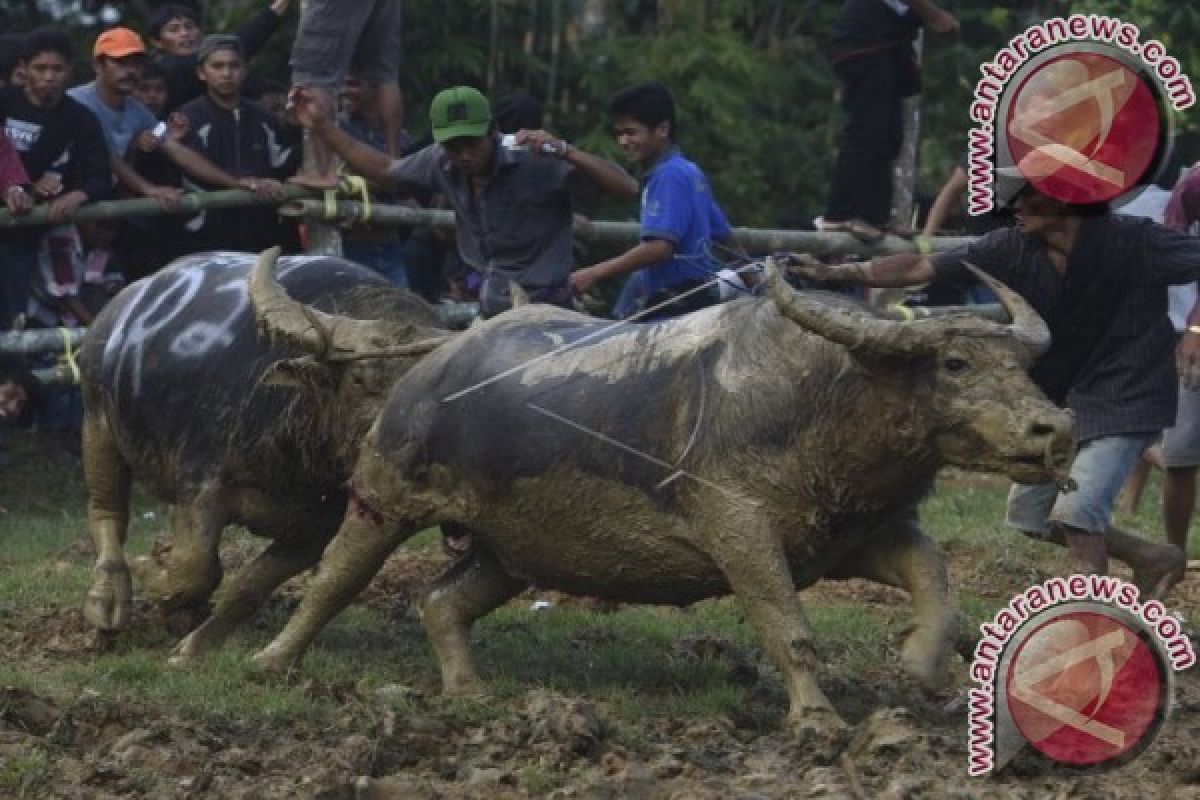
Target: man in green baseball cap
{"points": [[511, 195], [459, 112]]}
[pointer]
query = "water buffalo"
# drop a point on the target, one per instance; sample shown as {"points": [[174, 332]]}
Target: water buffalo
{"points": [[183, 395], [752, 448]]}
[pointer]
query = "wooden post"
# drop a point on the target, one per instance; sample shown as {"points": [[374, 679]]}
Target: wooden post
{"points": [[904, 172], [323, 238]]}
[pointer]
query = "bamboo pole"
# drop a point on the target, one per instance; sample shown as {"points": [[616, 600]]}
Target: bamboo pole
{"points": [[145, 207], [303, 204], [756, 240], [40, 340]]}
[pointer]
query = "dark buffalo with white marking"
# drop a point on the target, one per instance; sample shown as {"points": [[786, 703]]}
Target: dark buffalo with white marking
{"points": [[751, 448], [183, 395]]}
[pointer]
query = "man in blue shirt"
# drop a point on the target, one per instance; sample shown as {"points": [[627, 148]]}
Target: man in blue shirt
{"points": [[680, 219], [118, 56]]}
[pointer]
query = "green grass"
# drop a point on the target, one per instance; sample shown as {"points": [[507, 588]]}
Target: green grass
{"points": [[24, 775]]}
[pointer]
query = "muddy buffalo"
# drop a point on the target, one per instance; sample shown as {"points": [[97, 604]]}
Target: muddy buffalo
{"points": [[751, 448], [183, 395]]}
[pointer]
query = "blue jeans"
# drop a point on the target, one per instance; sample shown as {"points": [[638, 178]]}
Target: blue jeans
{"points": [[1100, 469]]}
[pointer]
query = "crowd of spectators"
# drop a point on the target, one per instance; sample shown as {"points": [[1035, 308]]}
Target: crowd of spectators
{"points": [[176, 109]]}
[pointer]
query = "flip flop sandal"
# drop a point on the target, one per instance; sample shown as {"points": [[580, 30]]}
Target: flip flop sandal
{"points": [[863, 231]]}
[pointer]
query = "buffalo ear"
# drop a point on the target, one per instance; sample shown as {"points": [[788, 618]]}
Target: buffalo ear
{"points": [[298, 373]]}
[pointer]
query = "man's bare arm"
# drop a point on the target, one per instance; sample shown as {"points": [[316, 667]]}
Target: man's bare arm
{"points": [[651, 251], [609, 177], [361, 158], [391, 111], [197, 166], [899, 271], [166, 196]]}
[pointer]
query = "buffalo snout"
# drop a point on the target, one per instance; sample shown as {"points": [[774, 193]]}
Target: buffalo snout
{"points": [[1050, 438]]}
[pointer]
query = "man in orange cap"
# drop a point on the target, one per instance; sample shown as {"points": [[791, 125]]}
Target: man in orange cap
{"points": [[118, 57]]}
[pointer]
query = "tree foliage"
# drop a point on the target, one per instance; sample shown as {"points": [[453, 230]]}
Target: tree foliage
{"points": [[757, 101]]}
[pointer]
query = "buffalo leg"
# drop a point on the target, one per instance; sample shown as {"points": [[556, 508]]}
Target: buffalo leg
{"points": [[353, 557], [246, 591], [110, 597], [468, 590], [755, 565], [193, 567], [908, 560]]}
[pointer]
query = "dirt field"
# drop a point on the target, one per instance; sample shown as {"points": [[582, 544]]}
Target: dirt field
{"points": [[636, 703]]}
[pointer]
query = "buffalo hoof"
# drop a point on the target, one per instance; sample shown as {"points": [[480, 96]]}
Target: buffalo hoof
{"points": [[173, 590], [191, 649], [109, 599], [927, 652], [820, 732], [272, 661], [151, 578]]}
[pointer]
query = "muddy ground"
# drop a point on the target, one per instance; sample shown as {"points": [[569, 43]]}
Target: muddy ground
{"points": [[539, 743]]}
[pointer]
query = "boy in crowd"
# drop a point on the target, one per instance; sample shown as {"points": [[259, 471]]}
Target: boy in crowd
{"points": [[175, 33], [62, 149], [512, 204], [151, 90], [271, 95], [243, 140], [680, 219]]}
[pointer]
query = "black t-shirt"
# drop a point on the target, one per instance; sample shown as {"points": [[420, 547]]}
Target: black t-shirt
{"points": [[871, 23], [1111, 356], [66, 139]]}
